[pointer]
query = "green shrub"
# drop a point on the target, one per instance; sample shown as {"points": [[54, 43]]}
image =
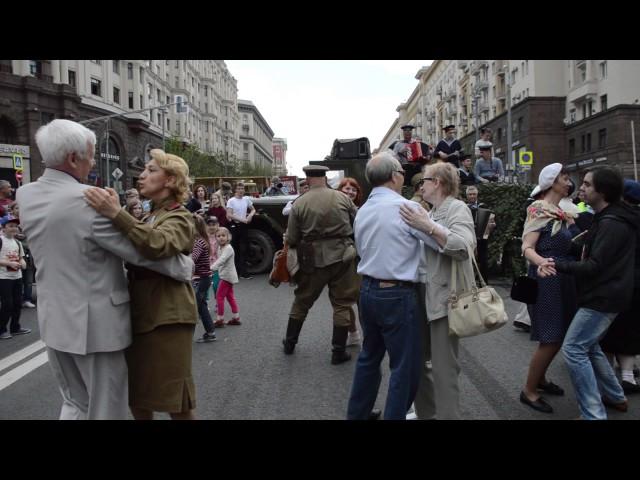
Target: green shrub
{"points": [[506, 201]]}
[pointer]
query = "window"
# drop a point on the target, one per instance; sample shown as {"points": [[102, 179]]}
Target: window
{"points": [[584, 144], [34, 67], [131, 100], [572, 115], [159, 95], [193, 81], [206, 126], [206, 90], [97, 62], [584, 110], [590, 107], [168, 124], [72, 78], [159, 119], [582, 72], [116, 95], [520, 124], [588, 142], [603, 103], [522, 70], [177, 82], [572, 147], [245, 146], [149, 90], [141, 102], [206, 107], [603, 69], [602, 138], [141, 74], [130, 71], [177, 63], [168, 101], [96, 87], [499, 134], [116, 66], [178, 127]]}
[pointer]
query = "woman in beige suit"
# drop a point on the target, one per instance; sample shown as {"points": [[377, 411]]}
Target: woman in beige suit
{"points": [[450, 224]]}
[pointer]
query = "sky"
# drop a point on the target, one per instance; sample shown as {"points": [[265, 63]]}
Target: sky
{"points": [[310, 103]]}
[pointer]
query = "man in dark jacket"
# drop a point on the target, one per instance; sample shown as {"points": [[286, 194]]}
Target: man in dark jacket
{"points": [[605, 288]]}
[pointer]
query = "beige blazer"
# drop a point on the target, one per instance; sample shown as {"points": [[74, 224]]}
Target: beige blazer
{"points": [[83, 300], [456, 216]]}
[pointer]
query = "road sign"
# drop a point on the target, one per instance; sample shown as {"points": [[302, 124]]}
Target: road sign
{"points": [[117, 173], [526, 158], [19, 175], [17, 162]]}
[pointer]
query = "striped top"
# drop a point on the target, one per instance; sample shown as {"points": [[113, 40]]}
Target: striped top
{"points": [[200, 256]]}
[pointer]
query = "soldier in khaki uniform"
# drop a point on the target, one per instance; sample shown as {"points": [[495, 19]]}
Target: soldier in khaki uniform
{"points": [[320, 228], [163, 310]]}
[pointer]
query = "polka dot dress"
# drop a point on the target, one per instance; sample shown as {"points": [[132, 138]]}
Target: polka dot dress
{"points": [[556, 302]]}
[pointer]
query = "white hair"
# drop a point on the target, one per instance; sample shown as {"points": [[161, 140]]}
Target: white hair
{"points": [[59, 138], [380, 168]]}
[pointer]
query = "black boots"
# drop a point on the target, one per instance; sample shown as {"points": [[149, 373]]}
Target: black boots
{"points": [[293, 331], [339, 344]]}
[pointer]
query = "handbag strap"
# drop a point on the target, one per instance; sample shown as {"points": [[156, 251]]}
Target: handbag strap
{"points": [[454, 270]]}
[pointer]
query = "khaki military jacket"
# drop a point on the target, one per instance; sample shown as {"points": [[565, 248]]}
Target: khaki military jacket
{"points": [[325, 217], [157, 299]]}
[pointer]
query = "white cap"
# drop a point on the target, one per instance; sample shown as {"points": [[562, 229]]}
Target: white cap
{"points": [[546, 178]]}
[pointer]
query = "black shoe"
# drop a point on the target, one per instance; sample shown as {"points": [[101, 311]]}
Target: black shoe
{"points": [[521, 326], [551, 388], [629, 387], [340, 356], [207, 337], [246, 277], [621, 407], [289, 347], [540, 404], [22, 331], [375, 414]]}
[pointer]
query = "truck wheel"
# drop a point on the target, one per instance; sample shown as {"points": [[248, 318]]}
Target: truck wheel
{"points": [[260, 252]]}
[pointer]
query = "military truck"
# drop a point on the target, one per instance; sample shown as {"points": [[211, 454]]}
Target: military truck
{"points": [[348, 156]]}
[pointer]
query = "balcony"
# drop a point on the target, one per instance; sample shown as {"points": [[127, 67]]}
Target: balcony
{"points": [[482, 84], [245, 127], [463, 64], [483, 106], [477, 65], [46, 78], [450, 95], [583, 92]]}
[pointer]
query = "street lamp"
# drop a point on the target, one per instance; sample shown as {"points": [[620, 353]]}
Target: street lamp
{"points": [[508, 157]]}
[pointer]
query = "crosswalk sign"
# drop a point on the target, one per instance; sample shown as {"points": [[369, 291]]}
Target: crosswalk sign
{"points": [[17, 162], [526, 158]]}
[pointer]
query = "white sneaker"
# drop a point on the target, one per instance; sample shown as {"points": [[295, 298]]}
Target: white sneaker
{"points": [[353, 338], [28, 304], [412, 416]]}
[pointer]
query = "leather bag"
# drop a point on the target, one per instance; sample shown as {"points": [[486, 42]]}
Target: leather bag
{"points": [[524, 289], [280, 272], [477, 310]]}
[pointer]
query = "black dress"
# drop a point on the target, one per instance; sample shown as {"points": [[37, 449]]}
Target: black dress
{"points": [[557, 303]]}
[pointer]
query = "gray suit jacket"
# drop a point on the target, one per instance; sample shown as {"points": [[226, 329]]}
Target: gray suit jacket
{"points": [[83, 297], [456, 216]]}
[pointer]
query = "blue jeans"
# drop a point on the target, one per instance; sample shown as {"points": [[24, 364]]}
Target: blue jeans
{"points": [[390, 323], [201, 286], [591, 373]]}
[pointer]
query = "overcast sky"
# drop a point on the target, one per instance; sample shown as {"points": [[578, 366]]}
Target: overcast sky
{"points": [[313, 102]]}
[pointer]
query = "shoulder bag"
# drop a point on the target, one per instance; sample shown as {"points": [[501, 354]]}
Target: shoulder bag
{"points": [[476, 311], [524, 289]]}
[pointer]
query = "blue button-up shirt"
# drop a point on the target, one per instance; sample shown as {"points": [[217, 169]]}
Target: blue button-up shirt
{"points": [[389, 249]]}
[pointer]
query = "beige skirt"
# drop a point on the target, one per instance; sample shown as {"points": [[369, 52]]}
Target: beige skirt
{"points": [[159, 364]]}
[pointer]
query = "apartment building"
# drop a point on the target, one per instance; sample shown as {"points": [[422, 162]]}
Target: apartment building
{"points": [[279, 156], [36, 91], [578, 112], [256, 137]]}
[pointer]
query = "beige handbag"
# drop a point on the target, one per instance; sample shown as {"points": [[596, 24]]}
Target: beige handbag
{"points": [[474, 311]]}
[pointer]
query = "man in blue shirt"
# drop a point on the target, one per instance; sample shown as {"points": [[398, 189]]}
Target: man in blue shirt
{"points": [[390, 254]]}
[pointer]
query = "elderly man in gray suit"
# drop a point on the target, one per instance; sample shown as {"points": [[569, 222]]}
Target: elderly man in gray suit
{"points": [[83, 299]]}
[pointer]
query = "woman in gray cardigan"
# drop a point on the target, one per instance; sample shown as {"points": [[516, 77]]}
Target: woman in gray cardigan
{"points": [[450, 224]]}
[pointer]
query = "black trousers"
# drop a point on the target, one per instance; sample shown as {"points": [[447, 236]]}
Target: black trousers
{"points": [[11, 298], [240, 242], [483, 258]]}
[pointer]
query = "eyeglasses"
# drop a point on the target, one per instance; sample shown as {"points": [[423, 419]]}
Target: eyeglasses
{"points": [[401, 172], [424, 179]]}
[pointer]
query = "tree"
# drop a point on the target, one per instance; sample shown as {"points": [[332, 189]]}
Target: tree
{"points": [[200, 163]]}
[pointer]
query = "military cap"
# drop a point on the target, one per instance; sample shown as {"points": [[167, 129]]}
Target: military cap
{"points": [[417, 178], [485, 146], [449, 127], [315, 170], [407, 127]]}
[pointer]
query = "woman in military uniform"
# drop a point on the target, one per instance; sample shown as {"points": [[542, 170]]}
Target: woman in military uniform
{"points": [[163, 310]]}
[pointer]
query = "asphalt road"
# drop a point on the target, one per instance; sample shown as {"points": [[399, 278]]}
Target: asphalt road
{"points": [[244, 375]]}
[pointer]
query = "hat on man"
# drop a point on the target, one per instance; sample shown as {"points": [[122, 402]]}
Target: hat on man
{"points": [[315, 170], [449, 127], [485, 146], [465, 157], [546, 178], [10, 219], [417, 178], [631, 191], [407, 127]]}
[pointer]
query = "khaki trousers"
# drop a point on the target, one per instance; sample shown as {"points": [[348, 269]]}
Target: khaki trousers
{"points": [[344, 287], [438, 393]]}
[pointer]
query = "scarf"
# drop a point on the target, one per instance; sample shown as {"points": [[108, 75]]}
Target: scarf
{"points": [[540, 213]]}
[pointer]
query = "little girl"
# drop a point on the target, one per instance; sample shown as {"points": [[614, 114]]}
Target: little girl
{"points": [[228, 276], [11, 265], [202, 278], [212, 229]]}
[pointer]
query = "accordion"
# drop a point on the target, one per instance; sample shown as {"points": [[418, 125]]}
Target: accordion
{"points": [[416, 151]]}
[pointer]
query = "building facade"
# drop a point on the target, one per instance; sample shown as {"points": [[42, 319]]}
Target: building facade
{"points": [[280, 156], [35, 92], [256, 137], [577, 112]]}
